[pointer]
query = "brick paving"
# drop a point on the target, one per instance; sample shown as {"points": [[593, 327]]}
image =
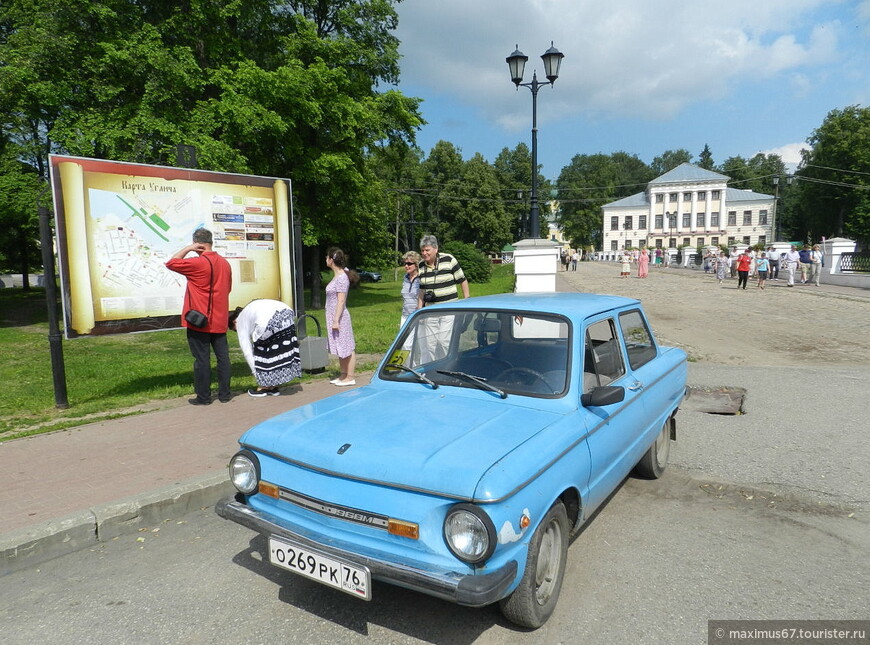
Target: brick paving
{"points": [[52, 475]]}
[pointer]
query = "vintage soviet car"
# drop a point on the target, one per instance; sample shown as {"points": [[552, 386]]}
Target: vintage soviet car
{"points": [[493, 428]]}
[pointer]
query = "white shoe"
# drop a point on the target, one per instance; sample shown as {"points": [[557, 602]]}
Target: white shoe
{"points": [[335, 380], [344, 383]]}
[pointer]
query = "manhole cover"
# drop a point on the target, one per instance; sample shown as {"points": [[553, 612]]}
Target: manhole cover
{"points": [[715, 400]]}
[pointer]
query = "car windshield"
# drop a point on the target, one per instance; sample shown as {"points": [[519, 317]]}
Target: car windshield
{"points": [[503, 352]]}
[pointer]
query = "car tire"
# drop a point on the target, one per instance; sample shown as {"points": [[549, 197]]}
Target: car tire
{"points": [[655, 460], [533, 601]]}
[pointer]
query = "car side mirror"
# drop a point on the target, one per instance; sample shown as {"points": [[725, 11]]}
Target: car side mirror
{"points": [[604, 395]]}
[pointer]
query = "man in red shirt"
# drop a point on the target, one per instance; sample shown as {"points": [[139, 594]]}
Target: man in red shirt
{"points": [[744, 263], [209, 282]]}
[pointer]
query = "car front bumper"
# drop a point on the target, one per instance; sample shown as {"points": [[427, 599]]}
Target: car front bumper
{"points": [[469, 590]]}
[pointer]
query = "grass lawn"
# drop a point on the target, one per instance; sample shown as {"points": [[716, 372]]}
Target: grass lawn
{"points": [[109, 376]]}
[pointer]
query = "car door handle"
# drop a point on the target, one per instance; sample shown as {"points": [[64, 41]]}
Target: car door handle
{"points": [[634, 387]]}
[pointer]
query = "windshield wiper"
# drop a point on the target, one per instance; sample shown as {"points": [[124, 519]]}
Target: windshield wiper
{"points": [[422, 378], [476, 380]]}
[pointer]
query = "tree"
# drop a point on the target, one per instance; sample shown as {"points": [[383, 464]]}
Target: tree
{"points": [[756, 174], [286, 89], [834, 178], [591, 181], [20, 186], [514, 171], [705, 159], [669, 160]]}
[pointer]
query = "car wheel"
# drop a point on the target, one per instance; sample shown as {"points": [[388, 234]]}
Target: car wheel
{"points": [[532, 602], [654, 462]]}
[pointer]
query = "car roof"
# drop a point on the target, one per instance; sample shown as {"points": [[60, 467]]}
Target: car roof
{"points": [[571, 305]]}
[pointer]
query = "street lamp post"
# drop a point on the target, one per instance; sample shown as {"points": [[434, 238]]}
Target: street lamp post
{"points": [[517, 62]]}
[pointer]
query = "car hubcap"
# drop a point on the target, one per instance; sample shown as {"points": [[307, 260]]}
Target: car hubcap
{"points": [[549, 557]]}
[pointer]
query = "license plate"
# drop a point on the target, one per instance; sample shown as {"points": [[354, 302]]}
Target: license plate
{"points": [[325, 569]]}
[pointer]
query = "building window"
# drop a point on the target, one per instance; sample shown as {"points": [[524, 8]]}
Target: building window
{"points": [[660, 221], [629, 222], [747, 218], [714, 241], [613, 244], [762, 239], [660, 198], [732, 218], [627, 244], [614, 223], [746, 240], [687, 197], [762, 217], [672, 243], [659, 243], [730, 241], [702, 194], [714, 194], [687, 217], [641, 221], [687, 241], [641, 243], [700, 241], [672, 220], [714, 219], [673, 197], [699, 221]]}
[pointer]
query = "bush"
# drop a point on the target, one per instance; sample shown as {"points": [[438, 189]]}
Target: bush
{"points": [[475, 265]]}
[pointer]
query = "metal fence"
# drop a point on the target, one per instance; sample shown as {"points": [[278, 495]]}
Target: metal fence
{"points": [[855, 262]]}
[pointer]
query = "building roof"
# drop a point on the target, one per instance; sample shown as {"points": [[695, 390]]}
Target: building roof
{"points": [[636, 200], [687, 172], [738, 195]]}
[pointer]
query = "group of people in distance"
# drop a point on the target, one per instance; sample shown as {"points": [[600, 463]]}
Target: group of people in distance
{"points": [[767, 265], [267, 328]]}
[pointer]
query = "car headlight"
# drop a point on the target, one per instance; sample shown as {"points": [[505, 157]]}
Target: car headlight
{"points": [[245, 471], [469, 533]]}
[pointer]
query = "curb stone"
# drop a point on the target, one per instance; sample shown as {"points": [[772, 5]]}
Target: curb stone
{"points": [[34, 545]]}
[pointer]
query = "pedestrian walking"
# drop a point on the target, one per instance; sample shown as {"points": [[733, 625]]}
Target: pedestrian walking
{"points": [[792, 259], [762, 266], [815, 272], [744, 263]]}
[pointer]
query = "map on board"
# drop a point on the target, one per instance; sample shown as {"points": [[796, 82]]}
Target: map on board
{"points": [[133, 234]]}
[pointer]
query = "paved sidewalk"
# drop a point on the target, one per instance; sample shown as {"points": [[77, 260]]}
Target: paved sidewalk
{"points": [[60, 492]]}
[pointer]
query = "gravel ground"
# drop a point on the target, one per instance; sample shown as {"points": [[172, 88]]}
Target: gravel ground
{"points": [[718, 323]]}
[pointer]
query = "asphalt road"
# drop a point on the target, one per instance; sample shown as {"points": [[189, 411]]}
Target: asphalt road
{"points": [[659, 561], [761, 516]]}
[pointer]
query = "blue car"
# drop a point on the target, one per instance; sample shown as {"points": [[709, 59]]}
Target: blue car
{"points": [[491, 431]]}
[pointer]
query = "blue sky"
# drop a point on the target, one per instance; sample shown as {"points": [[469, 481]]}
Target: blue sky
{"points": [[639, 76]]}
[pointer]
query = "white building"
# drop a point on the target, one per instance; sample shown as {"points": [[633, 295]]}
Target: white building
{"points": [[687, 206]]}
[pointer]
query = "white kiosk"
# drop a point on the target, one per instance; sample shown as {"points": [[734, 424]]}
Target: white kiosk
{"points": [[535, 264]]}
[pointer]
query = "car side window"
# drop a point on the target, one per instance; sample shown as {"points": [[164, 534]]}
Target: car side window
{"points": [[602, 362], [639, 343]]}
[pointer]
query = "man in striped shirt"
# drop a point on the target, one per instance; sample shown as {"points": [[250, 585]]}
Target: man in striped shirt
{"points": [[440, 280], [440, 275]]}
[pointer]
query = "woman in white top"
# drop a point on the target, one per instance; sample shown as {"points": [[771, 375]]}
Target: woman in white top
{"points": [[267, 336]]}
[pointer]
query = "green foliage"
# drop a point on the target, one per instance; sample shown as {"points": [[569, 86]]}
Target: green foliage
{"points": [[591, 181], [260, 87], [705, 159], [834, 179], [475, 265], [669, 160]]}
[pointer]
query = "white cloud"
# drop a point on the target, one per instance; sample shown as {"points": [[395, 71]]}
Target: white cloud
{"points": [[790, 153], [625, 58]]}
